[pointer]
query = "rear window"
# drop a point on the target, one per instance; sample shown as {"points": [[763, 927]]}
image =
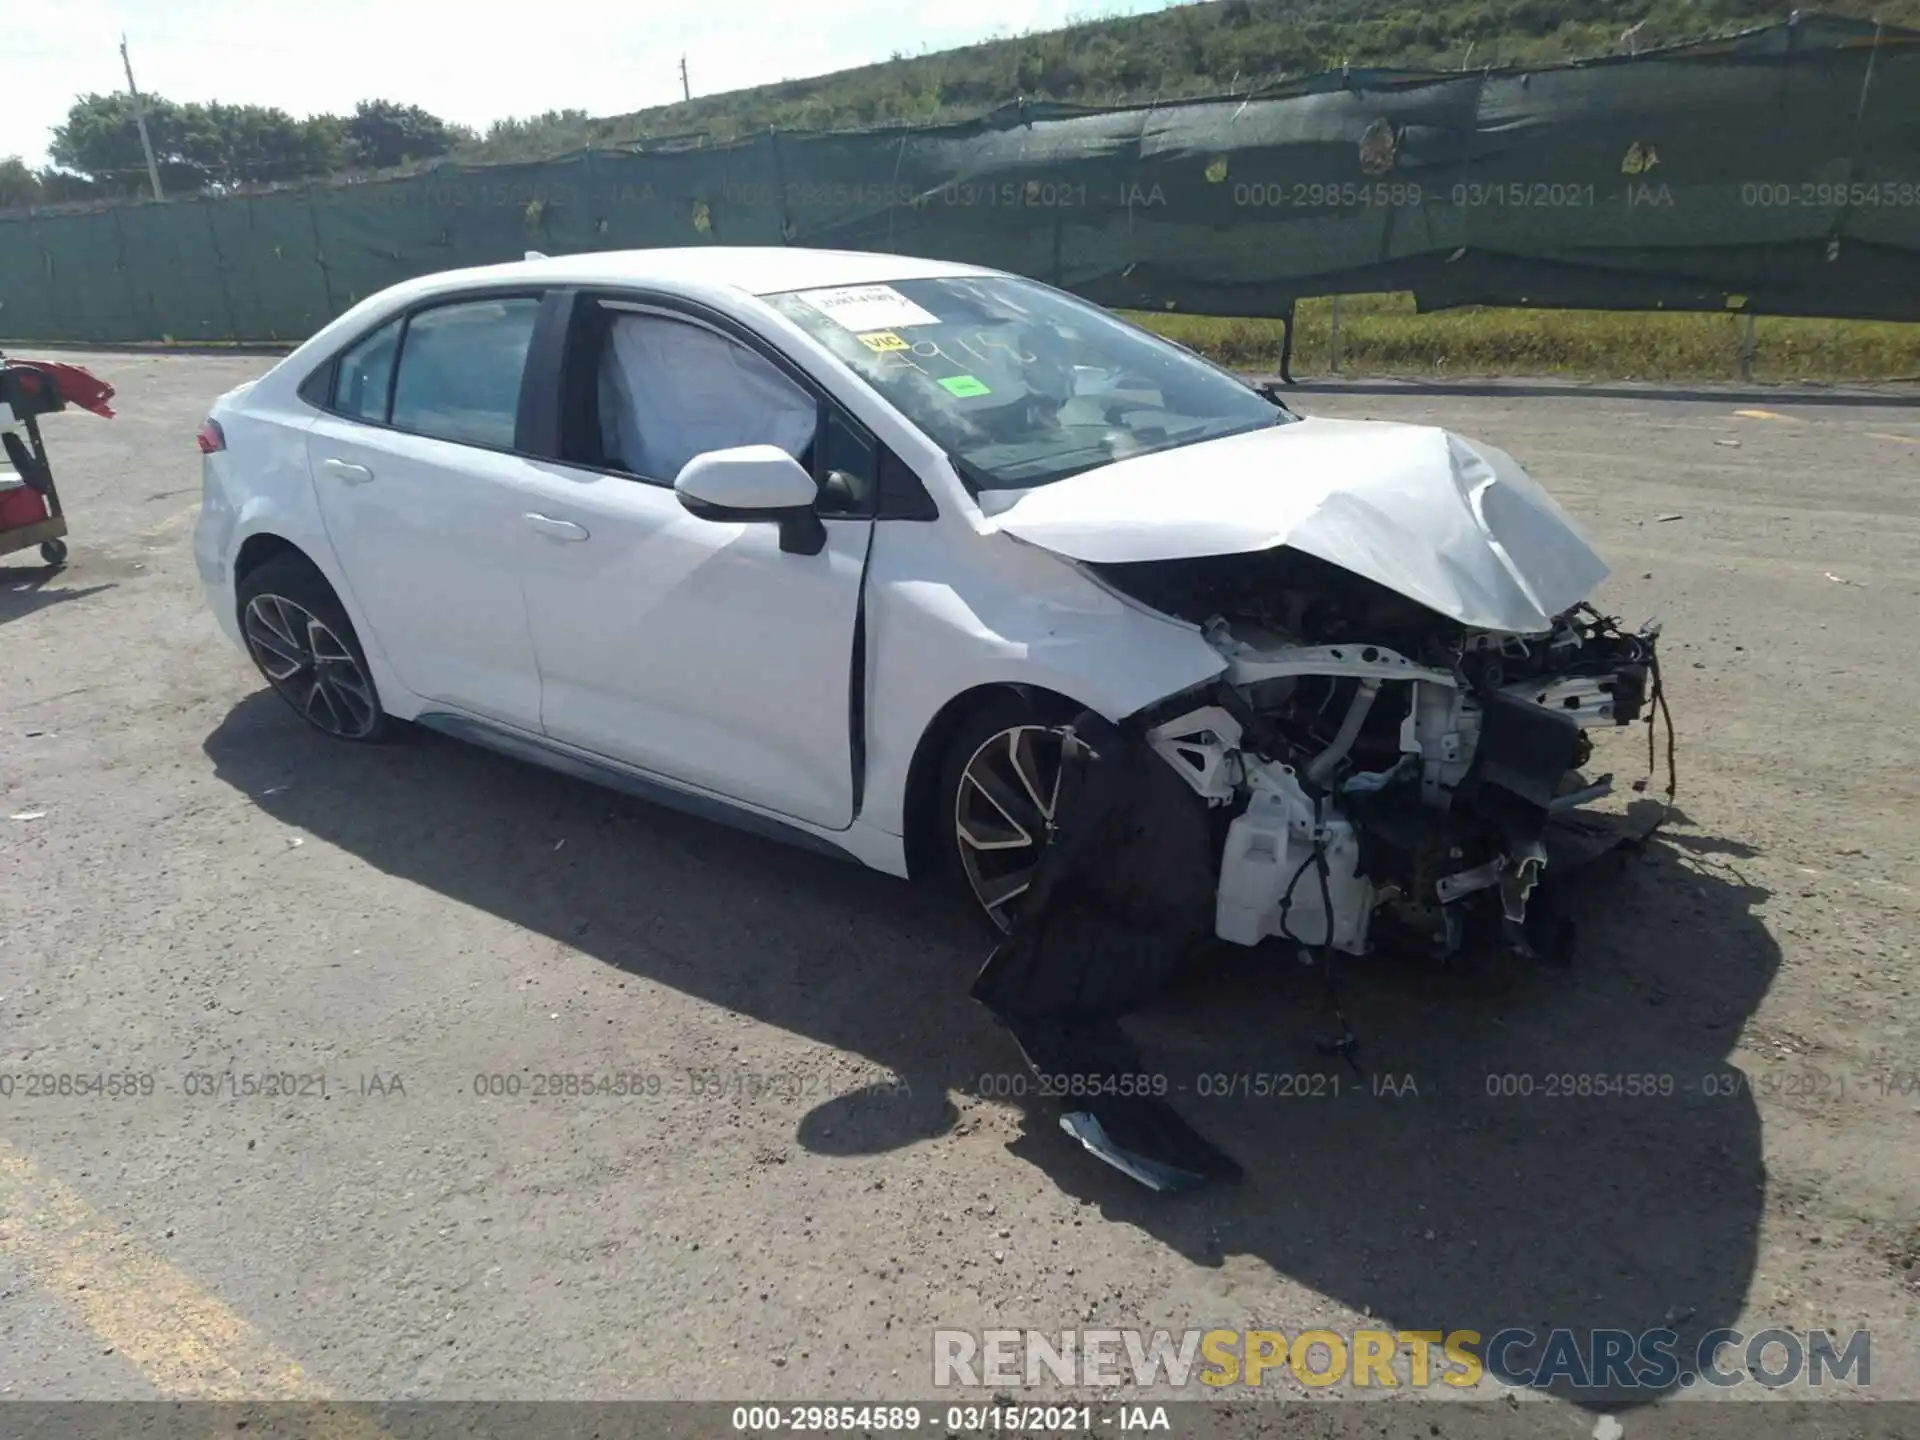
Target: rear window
{"points": [[365, 375], [460, 369]]}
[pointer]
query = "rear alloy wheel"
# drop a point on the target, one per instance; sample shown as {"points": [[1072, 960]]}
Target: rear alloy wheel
{"points": [[305, 646], [1004, 803]]}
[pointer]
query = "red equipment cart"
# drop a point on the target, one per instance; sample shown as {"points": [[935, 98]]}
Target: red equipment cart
{"points": [[30, 512]]}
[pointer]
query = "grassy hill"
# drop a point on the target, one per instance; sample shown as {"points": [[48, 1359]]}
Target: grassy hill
{"points": [[1184, 51]]}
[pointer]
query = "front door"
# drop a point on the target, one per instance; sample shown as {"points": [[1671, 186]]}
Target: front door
{"points": [[693, 649]]}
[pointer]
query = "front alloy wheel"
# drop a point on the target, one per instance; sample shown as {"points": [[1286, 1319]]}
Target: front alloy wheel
{"points": [[314, 670], [1003, 813]]}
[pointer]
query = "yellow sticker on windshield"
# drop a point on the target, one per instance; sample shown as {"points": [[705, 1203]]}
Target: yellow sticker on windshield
{"points": [[883, 341]]}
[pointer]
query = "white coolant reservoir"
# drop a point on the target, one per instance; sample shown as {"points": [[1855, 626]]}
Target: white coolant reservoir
{"points": [[1268, 846]]}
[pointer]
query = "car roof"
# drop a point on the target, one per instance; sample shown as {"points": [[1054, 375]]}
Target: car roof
{"points": [[750, 269]]}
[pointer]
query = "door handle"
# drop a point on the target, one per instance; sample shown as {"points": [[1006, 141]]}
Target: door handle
{"points": [[556, 529], [346, 470]]}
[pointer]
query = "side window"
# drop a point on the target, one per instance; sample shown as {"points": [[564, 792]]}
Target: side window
{"points": [[845, 468], [669, 390], [899, 493], [365, 375], [460, 368]]}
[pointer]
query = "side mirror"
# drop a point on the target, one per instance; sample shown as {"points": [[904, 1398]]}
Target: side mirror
{"points": [[755, 483]]}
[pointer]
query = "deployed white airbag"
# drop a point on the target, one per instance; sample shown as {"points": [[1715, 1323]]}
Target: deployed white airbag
{"points": [[671, 390]]}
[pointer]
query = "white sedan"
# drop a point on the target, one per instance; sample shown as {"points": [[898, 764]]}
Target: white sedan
{"points": [[836, 546]]}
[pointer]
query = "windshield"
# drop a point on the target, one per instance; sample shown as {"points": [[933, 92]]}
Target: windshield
{"points": [[1022, 384]]}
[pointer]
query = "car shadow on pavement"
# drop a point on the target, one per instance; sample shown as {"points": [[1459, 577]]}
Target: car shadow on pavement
{"points": [[1512, 1145]]}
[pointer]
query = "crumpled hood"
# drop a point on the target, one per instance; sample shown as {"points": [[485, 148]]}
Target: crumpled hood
{"points": [[1454, 524]]}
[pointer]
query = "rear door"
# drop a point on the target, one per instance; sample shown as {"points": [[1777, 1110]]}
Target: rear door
{"points": [[698, 650], [425, 497]]}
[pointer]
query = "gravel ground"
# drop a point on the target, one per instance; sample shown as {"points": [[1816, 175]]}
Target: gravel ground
{"points": [[209, 887]]}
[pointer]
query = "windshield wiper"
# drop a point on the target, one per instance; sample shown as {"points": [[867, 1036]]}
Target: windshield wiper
{"points": [[971, 474], [1270, 392]]}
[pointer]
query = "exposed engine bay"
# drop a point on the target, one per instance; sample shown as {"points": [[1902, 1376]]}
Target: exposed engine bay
{"points": [[1371, 756], [1362, 763]]}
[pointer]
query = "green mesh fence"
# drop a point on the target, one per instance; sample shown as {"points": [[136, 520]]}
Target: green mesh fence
{"points": [[1776, 172]]}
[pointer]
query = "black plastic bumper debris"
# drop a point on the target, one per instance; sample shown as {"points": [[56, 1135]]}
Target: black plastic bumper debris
{"points": [[1122, 897]]}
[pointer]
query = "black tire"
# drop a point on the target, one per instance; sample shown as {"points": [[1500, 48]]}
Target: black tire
{"points": [[300, 639], [967, 866], [54, 552]]}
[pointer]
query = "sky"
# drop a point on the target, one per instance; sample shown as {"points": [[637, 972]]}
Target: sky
{"points": [[466, 61]]}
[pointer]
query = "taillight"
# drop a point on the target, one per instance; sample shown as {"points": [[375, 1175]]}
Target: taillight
{"points": [[211, 437]]}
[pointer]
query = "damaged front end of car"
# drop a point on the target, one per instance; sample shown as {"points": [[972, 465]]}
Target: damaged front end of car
{"points": [[1393, 754], [1370, 758]]}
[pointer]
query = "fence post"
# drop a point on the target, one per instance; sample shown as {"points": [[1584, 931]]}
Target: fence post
{"points": [[780, 187], [334, 307], [1746, 346], [220, 269], [1333, 361]]}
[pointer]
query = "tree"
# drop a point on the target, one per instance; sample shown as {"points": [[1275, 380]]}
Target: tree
{"points": [[194, 145], [101, 140], [18, 184], [381, 133], [252, 145], [59, 186]]}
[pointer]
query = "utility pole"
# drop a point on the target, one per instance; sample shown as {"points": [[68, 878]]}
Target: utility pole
{"points": [[686, 90], [140, 119]]}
